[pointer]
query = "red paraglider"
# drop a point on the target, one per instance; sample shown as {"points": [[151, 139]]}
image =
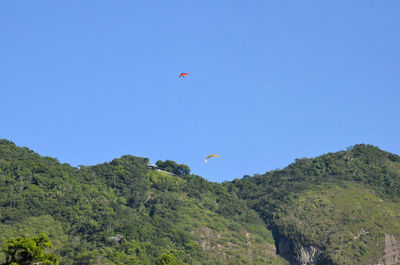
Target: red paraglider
{"points": [[183, 75]]}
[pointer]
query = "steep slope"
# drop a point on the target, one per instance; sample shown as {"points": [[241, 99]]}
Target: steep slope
{"points": [[339, 208], [123, 213]]}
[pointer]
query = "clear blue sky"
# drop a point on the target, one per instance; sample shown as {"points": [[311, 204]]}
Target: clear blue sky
{"points": [[271, 80]]}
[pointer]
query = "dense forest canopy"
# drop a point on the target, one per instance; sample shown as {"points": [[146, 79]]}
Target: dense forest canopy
{"points": [[121, 212], [338, 208]]}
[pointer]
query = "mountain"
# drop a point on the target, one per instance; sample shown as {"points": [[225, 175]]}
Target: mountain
{"points": [[122, 212], [338, 208]]}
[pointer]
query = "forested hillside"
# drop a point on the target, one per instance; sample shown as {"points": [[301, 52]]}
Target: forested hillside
{"points": [[339, 208], [123, 213]]}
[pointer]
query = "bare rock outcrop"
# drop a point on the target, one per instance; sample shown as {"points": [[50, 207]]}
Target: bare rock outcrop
{"points": [[391, 253], [308, 255]]}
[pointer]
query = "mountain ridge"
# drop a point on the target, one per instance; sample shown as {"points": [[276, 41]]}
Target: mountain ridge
{"points": [[337, 208], [121, 212], [273, 195]]}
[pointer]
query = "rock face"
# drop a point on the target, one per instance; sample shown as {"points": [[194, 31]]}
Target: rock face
{"points": [[308, 255], [285, 249], [391, 253]]}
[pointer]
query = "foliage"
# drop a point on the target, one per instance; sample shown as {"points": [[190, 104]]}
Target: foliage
{"points": [[167, 259], [27, 251], [121, 212], [312, 202], [173, 167]]}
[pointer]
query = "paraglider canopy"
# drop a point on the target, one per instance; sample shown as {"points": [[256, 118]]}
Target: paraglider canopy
{"points": [[212, 155], [183, 75]]}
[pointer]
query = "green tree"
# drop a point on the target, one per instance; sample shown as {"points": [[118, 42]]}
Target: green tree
{"points": [[173, 167], [28, 251], [167, 259]]}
